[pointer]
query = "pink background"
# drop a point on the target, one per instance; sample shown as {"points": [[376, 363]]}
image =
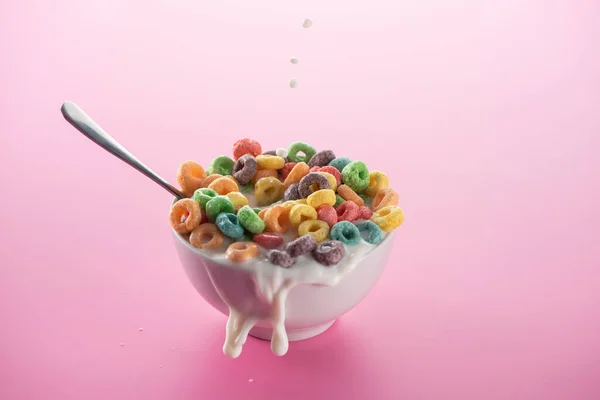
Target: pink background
{"points": [[483, 113]]}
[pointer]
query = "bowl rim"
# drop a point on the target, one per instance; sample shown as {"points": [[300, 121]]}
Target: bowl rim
{"points": [[240, 265]]}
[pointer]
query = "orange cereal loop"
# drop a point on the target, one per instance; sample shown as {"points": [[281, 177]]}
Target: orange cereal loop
{"points": [[206, 236], [224, 185], [190, 176], [262, 214], [263, 173], [241, 251], [386, 197], [377, 182], [232, 178], [210, 179], [185, 215], [348, 194], [277, 219], [298, 172]]}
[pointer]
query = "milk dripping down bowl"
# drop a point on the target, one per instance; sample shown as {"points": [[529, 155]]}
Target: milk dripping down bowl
{"points": [[310, 309]]}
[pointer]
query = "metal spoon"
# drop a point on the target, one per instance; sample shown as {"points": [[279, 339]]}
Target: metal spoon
{"points": [[84, 124]]}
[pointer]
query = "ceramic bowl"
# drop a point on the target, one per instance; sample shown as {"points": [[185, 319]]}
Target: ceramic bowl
{"points": [[310, 309]]}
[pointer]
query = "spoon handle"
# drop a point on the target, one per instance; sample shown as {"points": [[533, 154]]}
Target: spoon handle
{"points": [[84, 124]]}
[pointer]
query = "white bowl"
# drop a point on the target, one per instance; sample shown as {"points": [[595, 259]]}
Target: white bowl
{"points": [[310, 309]]}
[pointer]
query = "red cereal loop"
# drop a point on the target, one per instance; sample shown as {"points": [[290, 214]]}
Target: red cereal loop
{"points": [[347, 211], [268, 240], [285, 171], [203, 217], [246, 146], [333, 171], [364, 212], [316, 168], [327, 214]]}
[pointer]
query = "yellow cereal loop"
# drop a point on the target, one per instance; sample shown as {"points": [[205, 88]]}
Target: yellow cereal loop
{"points": [[265, 161], [377, 182], [330, 178], [268, 190], [388, 218], [289, 204], [300, 213], [317, 228], [238, 200], [232, 178], [320, 197], [300, 201]]}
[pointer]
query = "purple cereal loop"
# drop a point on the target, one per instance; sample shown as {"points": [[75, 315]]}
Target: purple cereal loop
{"points": [[312, 178], [329, 253], [302, 245], [244, 169], [291, 193], [322, 158], [281, 258]]}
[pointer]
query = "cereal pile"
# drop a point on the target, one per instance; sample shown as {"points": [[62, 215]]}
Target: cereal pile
{"points": [[321, 202]]}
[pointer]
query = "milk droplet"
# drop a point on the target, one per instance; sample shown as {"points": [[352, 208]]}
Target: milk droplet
{"points": [[307, 23], [140, 329], [160, 366], [281, 153], [294, 60], [121, 344], [250, 380], [293, 83]]}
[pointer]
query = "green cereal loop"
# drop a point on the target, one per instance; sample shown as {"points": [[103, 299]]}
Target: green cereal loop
{"points": [[218, 205], [247, 188], [221, 165], [203, 196], [296, 147], [338, 200], [346, 232], [340, 162], [374, 235], [250, 220], [366, 199], [356, 175]]}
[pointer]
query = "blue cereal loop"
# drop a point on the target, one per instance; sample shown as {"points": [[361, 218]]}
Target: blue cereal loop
{"points": [[230, 225], [346, 232], [374, 235]]}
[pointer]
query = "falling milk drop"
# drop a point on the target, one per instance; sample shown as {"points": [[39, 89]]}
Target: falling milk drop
{"points": [[293, 83], [307, 23], [294, 60]]}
